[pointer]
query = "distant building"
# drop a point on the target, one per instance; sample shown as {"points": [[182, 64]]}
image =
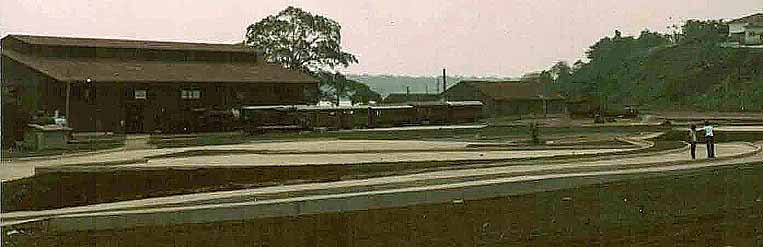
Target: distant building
{"points": [[508, 97], [396, 98], [747, 30], [137, 86]]}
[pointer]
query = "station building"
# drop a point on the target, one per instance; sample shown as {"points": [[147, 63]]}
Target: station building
{"points": [[135, 86]]}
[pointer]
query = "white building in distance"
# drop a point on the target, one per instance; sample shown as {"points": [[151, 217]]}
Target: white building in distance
{"points": [[747, 30]]}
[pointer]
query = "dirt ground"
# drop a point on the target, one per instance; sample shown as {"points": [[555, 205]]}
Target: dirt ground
{"points": [[712, 207]]}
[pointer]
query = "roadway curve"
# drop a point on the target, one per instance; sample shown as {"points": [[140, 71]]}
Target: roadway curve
{"points": [[393, 191]]}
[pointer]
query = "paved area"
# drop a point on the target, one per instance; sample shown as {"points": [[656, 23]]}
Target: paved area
{"points": [[740, 128], [443, 127], [297, 146], [355, 158], [366, 151], [15, 171], [749, 129], [221, 202], [20, 169]]}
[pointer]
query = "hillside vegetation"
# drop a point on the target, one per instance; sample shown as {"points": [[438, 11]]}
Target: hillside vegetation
{"points": [[685, 70]]}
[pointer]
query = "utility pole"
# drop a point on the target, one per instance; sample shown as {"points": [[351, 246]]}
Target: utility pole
{"points": [[444, 84], [408, 93], [444, 81]]}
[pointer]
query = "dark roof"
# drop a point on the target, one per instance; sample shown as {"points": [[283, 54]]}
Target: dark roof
{"points": [[755, 18], [101, 69], [414, 97], [512, 90], [129, 44]]}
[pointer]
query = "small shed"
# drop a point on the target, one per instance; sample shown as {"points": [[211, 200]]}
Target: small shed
{"points": [[43, 137]]}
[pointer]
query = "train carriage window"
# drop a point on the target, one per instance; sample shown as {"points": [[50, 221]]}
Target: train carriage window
{"points": [[141, 94], [190, 94]]}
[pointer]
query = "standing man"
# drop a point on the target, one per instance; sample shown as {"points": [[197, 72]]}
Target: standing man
{"points": [[534, 133], [693, 140], [709, 140]]}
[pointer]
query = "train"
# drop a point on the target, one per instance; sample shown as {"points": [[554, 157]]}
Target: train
{"points": [[309, 117]]}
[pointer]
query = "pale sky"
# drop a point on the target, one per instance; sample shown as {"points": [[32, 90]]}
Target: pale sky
{"points": [[406, 37]]}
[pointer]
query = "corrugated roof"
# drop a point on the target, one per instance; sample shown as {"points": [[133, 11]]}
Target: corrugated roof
{"points": [[98, 69], [129, 44], [752, 19]]}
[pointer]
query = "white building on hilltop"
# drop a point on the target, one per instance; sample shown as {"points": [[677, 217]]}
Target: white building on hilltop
{"points": [[747, 30]]}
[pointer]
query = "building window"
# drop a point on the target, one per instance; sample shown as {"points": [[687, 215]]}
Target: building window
{"points": [[240, 95], [190, 94], [140, 94]]}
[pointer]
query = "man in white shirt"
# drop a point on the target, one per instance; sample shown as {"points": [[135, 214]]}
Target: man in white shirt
{"points": [[709, 139]]}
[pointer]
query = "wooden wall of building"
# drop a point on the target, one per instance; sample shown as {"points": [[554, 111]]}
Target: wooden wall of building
{"points": [[103, 105]]}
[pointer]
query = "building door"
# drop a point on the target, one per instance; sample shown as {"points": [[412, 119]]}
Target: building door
{"points": [[134, 119]]}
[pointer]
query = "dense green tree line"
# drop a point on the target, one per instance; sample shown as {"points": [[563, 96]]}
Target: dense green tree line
{"points": [[687, 69]]}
